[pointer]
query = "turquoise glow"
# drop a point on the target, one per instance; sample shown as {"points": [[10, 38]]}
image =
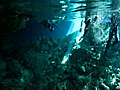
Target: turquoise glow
{"points": [[75, 27]]}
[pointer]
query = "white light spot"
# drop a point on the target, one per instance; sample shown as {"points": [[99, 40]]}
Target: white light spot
{"points": [[63, 9], [52, 62], [65, 59], [64, 6], [62, 2], [113, 80]]}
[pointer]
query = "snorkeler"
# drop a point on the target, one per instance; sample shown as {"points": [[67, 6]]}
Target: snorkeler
{"points": [[49, 24], [113, 33]]}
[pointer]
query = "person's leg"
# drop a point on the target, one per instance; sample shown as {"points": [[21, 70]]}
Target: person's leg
{"points": [[108, 42], [116, 38]]}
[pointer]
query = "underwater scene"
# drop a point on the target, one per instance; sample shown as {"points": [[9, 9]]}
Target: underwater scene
{"points": [[59, 44]]}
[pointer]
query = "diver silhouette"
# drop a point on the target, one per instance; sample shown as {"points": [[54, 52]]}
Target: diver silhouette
{"points": [[49, 24]]}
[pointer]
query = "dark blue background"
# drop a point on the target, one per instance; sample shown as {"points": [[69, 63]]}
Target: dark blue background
{"points": [[34, 30]]}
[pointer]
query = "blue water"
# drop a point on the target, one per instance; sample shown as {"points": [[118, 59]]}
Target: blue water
{"points": [[34, 30]]}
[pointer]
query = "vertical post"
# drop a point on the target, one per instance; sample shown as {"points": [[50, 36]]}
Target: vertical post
{"points": [[114, 24]]}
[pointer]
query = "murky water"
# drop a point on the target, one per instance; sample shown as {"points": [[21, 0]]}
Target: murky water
{"points": [[43, 45]]}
